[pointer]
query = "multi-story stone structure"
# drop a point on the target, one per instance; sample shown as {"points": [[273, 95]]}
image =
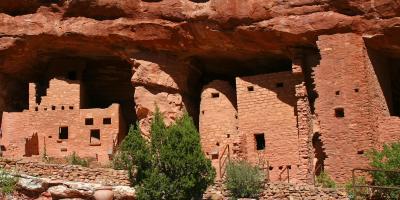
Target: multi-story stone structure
{"points": [[56, 126], [293, 139]]}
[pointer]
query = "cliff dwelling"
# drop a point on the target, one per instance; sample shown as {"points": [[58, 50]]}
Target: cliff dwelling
{"points": [[72, 107], [295, 87]]}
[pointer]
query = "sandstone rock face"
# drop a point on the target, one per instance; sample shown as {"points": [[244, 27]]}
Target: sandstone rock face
{"points": [[344, 55]]}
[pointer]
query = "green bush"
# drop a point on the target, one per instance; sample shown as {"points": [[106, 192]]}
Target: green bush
{"points": [[169, 166], [74, 159], [244, 180], [386, 159], [118, 161], [324, 180], [362, 193], [7, 182]]}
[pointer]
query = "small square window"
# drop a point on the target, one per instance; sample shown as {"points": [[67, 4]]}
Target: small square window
{"points": [[214, 95], [361, 152], [107, 120], [95, 136], [89, 121], [337, 93], [250, 88], [260, 141], [36, 109], [71, 107], [44, 108], [63, 133], [339, 112], [279, 85], [356, 90], [53, 107], [62, 107]]}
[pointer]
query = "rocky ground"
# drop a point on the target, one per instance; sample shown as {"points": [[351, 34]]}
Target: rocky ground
{"points": [[29, 187]]}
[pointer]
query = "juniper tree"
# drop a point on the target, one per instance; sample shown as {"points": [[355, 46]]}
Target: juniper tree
{"points": [[171, 165]]}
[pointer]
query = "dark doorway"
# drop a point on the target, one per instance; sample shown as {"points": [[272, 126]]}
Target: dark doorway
{"points": [[260, 141], [63, 133], [32, 145], [319, 154]]}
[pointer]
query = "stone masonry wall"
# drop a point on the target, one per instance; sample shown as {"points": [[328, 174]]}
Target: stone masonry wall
{"points": [[35, 132], [389, 130], [343, 106], [218, 120], [105, 176], [283, 191], [267, 105], [61, 92]]}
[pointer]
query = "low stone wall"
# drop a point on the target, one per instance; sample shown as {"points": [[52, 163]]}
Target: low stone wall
{"points": [[104, 176], [282, 191]]}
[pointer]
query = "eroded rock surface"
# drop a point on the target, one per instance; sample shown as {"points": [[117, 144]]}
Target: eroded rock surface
{"points": [[43, 188]]}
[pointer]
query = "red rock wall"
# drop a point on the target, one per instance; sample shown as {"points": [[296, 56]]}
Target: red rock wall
{"points": [[218, 120], [271, 110], [342, 81], [389, 130], [36, 132], [57, 172]]}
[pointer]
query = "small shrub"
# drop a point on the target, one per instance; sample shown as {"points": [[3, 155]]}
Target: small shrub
{"points": [[118, 161], [244, 180], [324, 180], [7, 182], [386, 159], [74, 159], [362, 193]]}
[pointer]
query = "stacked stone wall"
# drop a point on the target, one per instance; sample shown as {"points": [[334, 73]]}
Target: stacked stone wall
{"points": [[285, 191], [36, 132], [218, 119], [389, 130], [267, 105], [344, 106], [105, 176]]}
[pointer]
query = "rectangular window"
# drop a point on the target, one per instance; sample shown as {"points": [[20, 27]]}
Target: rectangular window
{"points": [[339, 112], [214, 95], [89, 121], [107, 120], [95, 136], [260, 141], [63, 133]]}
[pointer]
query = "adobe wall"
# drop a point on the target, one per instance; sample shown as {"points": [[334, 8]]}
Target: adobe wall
{"points": [[218, 120], [271, 109], [343, 80]]}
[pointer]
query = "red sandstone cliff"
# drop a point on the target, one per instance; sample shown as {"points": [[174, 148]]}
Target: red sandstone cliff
{"points": [[173, 47]]}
